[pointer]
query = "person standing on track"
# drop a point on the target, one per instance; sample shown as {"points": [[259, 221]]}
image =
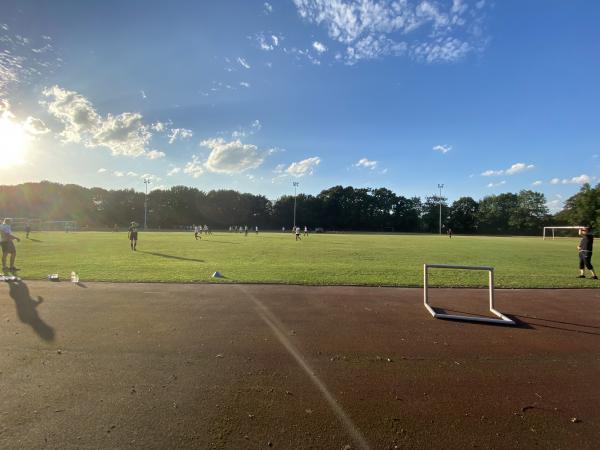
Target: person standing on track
{"points": [[132, 234], [585, 252], [8, 247]]}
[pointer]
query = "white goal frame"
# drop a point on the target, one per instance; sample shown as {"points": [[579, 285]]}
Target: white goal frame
{"points": [[503, 320], [559, 228]]}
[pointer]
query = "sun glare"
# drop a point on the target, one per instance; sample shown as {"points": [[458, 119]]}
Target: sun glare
{"points": [[14, 141]]}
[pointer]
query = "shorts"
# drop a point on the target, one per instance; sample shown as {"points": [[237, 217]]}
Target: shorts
{"points": [[8, 247], [585, 260], [133, 236]]}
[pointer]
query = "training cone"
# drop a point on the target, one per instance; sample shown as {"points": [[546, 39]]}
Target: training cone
{"points": [[217, 275]]}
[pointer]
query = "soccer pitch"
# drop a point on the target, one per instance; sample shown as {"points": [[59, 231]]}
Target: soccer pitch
{"points": [[319, 259]]}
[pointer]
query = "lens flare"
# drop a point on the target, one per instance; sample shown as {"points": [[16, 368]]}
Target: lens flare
{"points": [[14, 141]]}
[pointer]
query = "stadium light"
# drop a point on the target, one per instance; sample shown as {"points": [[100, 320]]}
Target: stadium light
{"points": [[296, 184], [146, 182], [440, 186]]}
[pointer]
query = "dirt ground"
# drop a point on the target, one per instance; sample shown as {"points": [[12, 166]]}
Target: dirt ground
{"points": [[101, 365]]}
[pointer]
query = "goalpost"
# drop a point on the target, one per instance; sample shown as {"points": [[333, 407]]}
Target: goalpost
{"points": [[559, 228]]}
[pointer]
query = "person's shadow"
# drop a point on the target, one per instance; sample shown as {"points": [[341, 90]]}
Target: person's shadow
{"points": [[27, 309]]}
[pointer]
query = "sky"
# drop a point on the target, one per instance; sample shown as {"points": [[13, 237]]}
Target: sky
{"points": [[479, 96]]}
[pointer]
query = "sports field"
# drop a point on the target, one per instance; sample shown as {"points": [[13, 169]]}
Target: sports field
{"points": [[319, 259]]}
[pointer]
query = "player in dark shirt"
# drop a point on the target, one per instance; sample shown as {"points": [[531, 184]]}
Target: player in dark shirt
{"points": [[585, 248], [132, 234]]}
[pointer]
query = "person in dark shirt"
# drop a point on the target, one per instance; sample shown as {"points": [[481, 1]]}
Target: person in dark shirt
{"points": [[132, 234], [585, 252]]}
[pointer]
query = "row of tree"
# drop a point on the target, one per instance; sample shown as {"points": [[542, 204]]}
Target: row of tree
{"points": [[336, 208]]}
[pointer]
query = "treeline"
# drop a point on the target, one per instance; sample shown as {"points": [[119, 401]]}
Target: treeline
{"points": [[336, 208]]}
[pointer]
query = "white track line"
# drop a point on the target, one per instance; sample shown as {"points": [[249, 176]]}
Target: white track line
{"points": [[277, 328]]}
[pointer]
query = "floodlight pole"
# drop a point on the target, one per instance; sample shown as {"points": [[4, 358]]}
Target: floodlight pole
{"points": [[440, 186], [146, 182], [296, 184]]}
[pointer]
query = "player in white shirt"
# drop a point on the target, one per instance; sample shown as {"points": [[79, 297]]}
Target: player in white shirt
{"points": [[8, 246]]}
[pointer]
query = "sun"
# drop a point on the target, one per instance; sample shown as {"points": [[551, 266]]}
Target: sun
{"points": [[14, 141]]}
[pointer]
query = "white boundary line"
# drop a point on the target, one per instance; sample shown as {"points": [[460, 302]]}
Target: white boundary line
{"points": [[502, 318], [278, 330]]}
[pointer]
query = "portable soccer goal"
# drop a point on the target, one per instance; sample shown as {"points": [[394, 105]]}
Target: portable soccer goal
{"points": [[502, 319], [559, 228]]}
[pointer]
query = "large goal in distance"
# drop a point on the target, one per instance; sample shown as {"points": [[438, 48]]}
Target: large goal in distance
{"points": [[559, 228]]}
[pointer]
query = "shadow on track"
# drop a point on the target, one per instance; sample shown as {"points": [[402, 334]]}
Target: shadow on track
{"points": [[520, 323], [27, 309], [34, 240], [162, 255], [559, 322]]}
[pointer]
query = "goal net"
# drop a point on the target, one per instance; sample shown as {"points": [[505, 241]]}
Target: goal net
{"points": [[571, 231]]}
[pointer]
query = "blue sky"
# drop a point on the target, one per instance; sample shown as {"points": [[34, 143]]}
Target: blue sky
{"points": [[484, 97]]}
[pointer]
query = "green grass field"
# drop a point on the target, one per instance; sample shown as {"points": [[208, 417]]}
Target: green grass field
{"points": [[319, 259]]}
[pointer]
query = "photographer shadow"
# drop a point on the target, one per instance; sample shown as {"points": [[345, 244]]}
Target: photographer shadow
{"points": [[27, 309]]}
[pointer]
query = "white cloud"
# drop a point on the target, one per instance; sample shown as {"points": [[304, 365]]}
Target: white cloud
{"points": [[304, 167], [364, 162], [512, 170], [173, 171], [244, 84], [537, 183], [118, 173], [555, 205], [443, 149], [500, 183], [35, 126], [179, 133], [159, 127], [267, 43], [194, 167], [101, 170], [268, 8], [441, 50], [233, 157], [144, 96], [319, 47], [254, 127], [123, 134], [150, 177], [243, 63], [370, 28], [492, 173], [519, 167], [155, 154], [132, 174], [581, 179]]}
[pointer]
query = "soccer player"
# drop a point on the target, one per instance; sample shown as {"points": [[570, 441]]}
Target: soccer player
{"points": [[27, 230], [256, 229], [197, 232], [585, 252], [449, 233], [298, 238], [8, 247], [305, 230], [132, 234]]}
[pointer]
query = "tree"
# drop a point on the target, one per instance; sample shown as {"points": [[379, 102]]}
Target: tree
{"points": [[494, 213], [463, 215], [582, 208], [431, 213], [530, 213]]}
